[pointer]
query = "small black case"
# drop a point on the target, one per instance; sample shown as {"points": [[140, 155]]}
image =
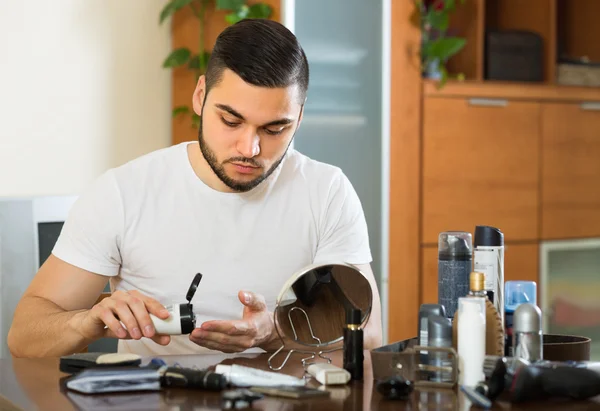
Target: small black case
{"points": [[75, 363], [514, 55]]}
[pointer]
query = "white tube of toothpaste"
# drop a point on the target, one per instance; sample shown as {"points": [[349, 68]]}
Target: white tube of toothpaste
{"points": [[242, 376]]}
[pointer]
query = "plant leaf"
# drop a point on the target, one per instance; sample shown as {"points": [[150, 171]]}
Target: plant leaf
{"points": [[237, 15], [259, 11], [444, 48], [204, 58], [194, 62], [439, 20], [178, 57], [180, 110], [232, 18], [443, 77], [199, 62], [229, 4], [171, 7]]}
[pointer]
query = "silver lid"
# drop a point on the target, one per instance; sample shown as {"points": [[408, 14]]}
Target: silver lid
{"points": [[432, 309], [527, 318], [439, 329]]}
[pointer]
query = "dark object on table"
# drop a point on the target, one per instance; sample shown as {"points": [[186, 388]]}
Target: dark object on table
{"points": [[395, 388], [496, 371], [239, 398], [514, 55], [540, 383], [353, 344], [191, 378], [75, 363], [524, 382]]}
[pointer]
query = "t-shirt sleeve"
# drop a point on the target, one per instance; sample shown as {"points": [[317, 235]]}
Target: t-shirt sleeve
{"points": [[343, 229], [91, 235]]}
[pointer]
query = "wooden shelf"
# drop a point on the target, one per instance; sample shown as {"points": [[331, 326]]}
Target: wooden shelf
{"points": [[567, 29], [578, 28], [512, 90]]}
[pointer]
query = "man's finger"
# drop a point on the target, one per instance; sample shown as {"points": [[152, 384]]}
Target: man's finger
{"points": [[255, 302], [162, 339], [153, 306], [239, 327]]}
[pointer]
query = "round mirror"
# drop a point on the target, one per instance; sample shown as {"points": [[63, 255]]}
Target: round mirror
{"points": [[311, 307]]}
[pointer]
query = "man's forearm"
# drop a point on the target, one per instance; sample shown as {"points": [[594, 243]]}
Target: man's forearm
{"points": [[43, 329], [372, 335]]}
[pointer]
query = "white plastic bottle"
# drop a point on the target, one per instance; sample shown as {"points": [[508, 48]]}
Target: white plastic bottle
{"points": [[471, 340]]}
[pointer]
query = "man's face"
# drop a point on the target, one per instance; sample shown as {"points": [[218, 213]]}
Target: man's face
{"points": [[245, 130]]}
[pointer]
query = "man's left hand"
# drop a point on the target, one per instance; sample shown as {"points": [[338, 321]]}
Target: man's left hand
{"points": [[255, 329]]}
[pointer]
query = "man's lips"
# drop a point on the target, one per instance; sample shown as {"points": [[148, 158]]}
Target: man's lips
{"points": [[244, 168]]}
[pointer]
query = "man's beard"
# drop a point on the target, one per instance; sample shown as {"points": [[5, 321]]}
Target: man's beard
{"points": [[219, 170]]}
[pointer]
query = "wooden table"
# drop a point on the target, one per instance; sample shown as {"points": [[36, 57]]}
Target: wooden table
{"points": [[34, 384]]}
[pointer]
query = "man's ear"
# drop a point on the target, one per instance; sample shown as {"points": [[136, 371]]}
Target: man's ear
{"points": [[198, 97]]}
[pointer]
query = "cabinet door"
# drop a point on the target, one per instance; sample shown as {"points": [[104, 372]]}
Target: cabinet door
{"points": [[480, 167], [570, 170]]}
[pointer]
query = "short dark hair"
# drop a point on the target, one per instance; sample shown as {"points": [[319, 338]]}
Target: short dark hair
{"points": [[262, 52]]}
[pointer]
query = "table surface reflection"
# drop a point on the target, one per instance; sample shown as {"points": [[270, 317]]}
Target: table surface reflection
{"points": [[35, 384]]}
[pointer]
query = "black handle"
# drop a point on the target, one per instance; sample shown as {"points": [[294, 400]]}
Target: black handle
{"points": [[539, 383]]}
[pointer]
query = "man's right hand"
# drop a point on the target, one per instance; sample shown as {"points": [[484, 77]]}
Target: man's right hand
{"points": [[128, 307]]}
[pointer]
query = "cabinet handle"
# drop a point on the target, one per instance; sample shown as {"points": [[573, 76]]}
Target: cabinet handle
{"points": [[590, 106], [488, 102]]}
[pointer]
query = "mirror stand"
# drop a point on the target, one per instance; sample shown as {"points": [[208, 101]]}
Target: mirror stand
{"points": [[305, 363], [312, 354]]}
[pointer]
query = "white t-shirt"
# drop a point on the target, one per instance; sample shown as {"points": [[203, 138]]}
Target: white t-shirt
{"points": [[152, 224]]}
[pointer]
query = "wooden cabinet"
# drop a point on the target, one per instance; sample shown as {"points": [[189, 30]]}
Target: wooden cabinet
{"points": [[480, 166], [570, 170], [521, 156], [521, 262], [567, 28]]}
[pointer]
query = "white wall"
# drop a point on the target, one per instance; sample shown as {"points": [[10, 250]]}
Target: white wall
{"points": [[81, 90]]}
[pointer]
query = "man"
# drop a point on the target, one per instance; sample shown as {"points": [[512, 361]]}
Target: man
{"points": [[238, 206]]}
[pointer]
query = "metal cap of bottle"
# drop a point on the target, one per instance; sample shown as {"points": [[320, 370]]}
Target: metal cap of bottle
{"points": [[488, 236], [476, 281], [455, 245], [527, 318], [440, 331]]}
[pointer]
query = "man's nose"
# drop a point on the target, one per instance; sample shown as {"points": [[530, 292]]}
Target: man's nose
{"points": [[248, 145]]}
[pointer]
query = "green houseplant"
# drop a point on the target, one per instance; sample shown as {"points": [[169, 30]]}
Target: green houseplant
{"points": [[197, 61], [437, 46]]}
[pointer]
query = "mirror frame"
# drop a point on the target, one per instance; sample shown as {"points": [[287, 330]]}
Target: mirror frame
{"points": [[288, 284]]}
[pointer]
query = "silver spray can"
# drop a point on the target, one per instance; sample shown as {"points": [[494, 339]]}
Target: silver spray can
{"points": [[527, 333], [440, 335], [455, 260]]}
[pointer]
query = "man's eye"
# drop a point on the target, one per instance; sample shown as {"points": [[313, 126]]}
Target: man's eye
{"points": [[274, 132], [228, 123]]}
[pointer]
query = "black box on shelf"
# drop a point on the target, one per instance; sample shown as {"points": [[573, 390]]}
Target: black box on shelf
{"points": [[514, 55]]}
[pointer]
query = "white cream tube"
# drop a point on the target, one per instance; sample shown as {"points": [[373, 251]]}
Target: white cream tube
{"points": [[242, 376]]}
